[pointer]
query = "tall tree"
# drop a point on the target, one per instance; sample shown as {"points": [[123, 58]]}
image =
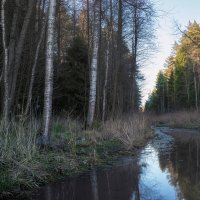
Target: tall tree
{"points": [[94, 64], [14, 69], [182, 73], [119, 56], [34, 69], [49, 73], [5, 68]]}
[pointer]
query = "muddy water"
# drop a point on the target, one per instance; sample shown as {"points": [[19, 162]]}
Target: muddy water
{"points": [[166, 169]]}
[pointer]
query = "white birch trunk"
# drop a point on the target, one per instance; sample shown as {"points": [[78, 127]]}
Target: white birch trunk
{"points": [[93, 69], [5, 69], [33, 69], [49, 73]]}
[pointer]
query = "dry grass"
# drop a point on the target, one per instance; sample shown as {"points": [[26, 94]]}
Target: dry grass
{"points": [[23, 165], [131, 131], [184, 119]]}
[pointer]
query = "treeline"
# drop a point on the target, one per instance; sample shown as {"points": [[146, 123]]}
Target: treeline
{"points": [[178, 85], [81, 56]]}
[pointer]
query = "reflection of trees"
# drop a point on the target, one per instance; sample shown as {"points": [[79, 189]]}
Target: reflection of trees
{"points": [[120, 182], [94, 184], [183, 165]]}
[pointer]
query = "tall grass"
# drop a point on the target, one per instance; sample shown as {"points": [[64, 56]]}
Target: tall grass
{"points": [[24, 165], [131, 130], [182, 119], [17, 150], [18, 142]]}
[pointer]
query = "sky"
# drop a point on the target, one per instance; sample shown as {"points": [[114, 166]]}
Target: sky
{"points": [[181, 11]]}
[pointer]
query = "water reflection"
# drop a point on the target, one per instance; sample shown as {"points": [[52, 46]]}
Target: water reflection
{"points": [[184, 164], [94, 183], [167, 169], [173, 166], [119, 183]]}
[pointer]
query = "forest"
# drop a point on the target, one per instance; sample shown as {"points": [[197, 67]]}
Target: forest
{"points": [[80, 57], [70, 74], [178, 85], [71, 92]]}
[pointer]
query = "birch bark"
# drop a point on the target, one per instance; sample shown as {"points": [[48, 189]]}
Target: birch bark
{"points": [[47, 114], [93, 68], [5, 69]]}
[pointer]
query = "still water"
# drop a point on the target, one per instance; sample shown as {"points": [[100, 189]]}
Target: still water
{"points": [[166, 169]]}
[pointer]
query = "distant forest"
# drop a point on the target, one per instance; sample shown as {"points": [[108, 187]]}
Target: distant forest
{"points": [[178, 85]]}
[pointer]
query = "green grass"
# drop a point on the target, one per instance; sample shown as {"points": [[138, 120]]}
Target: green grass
{"points": [[24, 166]]}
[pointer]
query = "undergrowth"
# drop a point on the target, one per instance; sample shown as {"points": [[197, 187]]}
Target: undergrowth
{"points": [[24, 165], [182, 119]]}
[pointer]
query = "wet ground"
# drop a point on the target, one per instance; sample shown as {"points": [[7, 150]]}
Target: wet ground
{"points": [[166, 169]]}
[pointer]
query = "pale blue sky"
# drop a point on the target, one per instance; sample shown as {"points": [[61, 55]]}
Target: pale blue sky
{"points": [[181, 11]]}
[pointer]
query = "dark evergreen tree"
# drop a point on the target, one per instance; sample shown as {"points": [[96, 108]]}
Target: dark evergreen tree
{"points": [[72, 81]]}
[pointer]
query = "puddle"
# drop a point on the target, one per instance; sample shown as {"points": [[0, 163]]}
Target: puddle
{"points": [[166, 169]]}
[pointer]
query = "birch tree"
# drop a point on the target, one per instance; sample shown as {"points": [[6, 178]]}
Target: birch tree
{"points": [[34, 68], [49, 73], [94, 58], [5, 69]]}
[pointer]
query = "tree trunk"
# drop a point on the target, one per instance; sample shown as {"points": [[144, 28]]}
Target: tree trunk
{"points": [[93, 68], [118, 64], [105, 83], [134, 54], [195, 87], [18, 54], [5, 68], [49, 73], [34, 68], [58, 15], [11, 54], [74, 18], [109, 38], [88, 27]]}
